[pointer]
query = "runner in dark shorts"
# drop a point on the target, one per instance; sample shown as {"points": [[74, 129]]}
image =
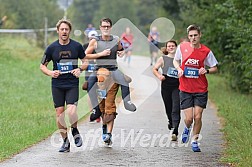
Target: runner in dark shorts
{"points": [[64, 53], [193, 61]]}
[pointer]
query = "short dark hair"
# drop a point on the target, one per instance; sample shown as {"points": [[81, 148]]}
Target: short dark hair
{"points": [[108, 20], [64, 21], [193, 27]]}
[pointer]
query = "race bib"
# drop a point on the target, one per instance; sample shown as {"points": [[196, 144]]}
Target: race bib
{"points": [[172, 72], [102, 93], [64, 68], [91, 68], [126, 45], [191, 72]]}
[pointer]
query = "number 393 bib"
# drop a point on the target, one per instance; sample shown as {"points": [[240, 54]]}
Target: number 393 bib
{"points": [[190, 72]]}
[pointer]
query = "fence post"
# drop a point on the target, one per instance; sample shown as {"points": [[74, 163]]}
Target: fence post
{"points": [[46, 32]]}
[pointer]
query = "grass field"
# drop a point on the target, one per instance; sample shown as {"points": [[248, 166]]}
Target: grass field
{"points": [[26, 109], [236, 109]]}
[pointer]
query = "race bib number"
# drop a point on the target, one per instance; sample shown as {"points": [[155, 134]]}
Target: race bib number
{"points": [[102, 93], [126, 45], [191, 72], [91, 68], [66, 67], [172, 72]]}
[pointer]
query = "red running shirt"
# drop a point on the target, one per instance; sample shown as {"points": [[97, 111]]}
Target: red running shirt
{"points": [[194, 58]]}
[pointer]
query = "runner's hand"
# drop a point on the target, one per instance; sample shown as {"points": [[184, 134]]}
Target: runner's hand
{"points": [[202, 71], [76, 72], [106, 52], [55, 74], [180, 72], [161, 77], [120, 53]]}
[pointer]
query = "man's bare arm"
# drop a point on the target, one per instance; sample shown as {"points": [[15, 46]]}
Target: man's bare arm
{"points": [[90, 49]]}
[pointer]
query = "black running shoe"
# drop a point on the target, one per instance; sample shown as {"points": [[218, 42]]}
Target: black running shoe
{"points": [[65, 146], [96, 113], [77, 137]]}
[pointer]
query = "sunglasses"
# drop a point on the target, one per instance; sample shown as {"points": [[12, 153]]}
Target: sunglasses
{"points": [[106, 27]]}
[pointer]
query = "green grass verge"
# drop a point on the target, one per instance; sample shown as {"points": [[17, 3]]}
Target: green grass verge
{"points": [[236, 109], [26, 109], [27, 114]]}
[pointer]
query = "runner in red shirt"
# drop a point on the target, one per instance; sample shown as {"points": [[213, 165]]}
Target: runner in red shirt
{"points": [[127, 40], [190, 60]]}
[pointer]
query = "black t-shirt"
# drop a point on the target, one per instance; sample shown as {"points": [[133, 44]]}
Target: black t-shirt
{"points": [[65, 59]]}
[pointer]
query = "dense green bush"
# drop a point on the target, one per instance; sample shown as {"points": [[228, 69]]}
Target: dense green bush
{"points": [[226, 27]]}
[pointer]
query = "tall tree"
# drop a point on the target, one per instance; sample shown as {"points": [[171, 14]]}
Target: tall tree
{"points": [[116, 10], [82, 12]]}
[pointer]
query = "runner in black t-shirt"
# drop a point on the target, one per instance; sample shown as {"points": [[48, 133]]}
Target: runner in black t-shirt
{"points": [[64, 53]]}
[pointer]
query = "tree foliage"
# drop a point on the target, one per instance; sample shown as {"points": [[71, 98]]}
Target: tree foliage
{"points": [[82, 12], [31, 14], [226, 27], [139, 12], [115, 10], [226, 24]]}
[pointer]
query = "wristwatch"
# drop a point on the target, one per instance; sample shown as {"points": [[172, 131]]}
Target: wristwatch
{"points": [[80, 69]]}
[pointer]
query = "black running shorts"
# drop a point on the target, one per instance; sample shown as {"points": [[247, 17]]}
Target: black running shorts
{"points": [[65, 95], [188, 100]]}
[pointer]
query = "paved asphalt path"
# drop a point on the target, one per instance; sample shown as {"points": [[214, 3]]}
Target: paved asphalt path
{"points": [[139, 139]]}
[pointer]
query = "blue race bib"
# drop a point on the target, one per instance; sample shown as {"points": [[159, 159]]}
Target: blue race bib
{"points": [[126, 45], [172, 72], [190, 72], [91, 68], [64, 68], [102, 93]]}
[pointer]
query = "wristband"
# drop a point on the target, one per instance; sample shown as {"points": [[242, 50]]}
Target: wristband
{"points": [[80, 69], [207, 71]]}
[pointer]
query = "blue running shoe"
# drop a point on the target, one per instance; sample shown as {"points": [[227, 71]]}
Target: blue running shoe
{"points": [[105, 137], [195, 147], [185, 135], [104, 132], [108, 138]]}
